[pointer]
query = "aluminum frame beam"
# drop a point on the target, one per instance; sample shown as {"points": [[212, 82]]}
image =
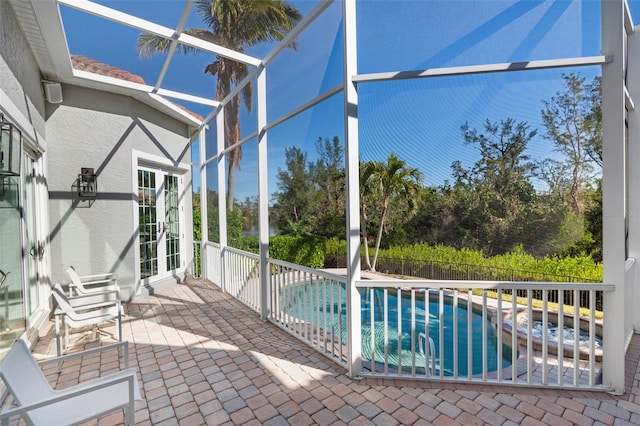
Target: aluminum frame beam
{"points": [[483, 69]]}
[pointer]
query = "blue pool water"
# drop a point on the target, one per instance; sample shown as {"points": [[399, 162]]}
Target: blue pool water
{"points": [[324, 303]]}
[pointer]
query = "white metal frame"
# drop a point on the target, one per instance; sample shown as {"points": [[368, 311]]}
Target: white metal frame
{"points": [[617, 31]]}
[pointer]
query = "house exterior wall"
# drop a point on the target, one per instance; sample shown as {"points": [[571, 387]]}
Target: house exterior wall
{"points": [[19, 72], [102, 130]]}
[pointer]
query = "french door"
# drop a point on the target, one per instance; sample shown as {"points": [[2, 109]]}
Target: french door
{"points": [[161, 223], [34, 246]]}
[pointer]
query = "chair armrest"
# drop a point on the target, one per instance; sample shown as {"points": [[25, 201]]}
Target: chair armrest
{"points": [[110, 281], [98, 385], [90, 301], [95, 309], [117, 346], [100, 277]]}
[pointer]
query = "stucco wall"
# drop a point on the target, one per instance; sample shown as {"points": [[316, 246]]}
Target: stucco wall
{"points": [[19, 73], [101, 130]]}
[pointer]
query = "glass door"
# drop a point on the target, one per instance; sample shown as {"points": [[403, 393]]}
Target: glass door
{"points": [[148, 229], [160, 223], [34, 248], [172, 222], [12, 319]]}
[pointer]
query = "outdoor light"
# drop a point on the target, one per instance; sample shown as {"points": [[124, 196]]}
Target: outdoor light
{"points": [[87, 183], [10, 146], [10, 140]]}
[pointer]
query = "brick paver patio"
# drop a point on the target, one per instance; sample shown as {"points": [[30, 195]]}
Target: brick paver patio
{"points": [[203, 358]]}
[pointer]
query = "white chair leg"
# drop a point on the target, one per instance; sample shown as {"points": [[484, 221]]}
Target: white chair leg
{"points": [[58, 342], [129, 414], [119, 325], [67, 339]]}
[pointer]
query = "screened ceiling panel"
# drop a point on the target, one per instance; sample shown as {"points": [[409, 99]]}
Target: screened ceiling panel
{"points": [[167, 13], [186, 74], [83, 31], [436, 34], [296, 76]]}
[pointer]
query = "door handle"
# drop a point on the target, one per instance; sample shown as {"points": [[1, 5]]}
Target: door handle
{"points": [[40, 250], [37, 249]]}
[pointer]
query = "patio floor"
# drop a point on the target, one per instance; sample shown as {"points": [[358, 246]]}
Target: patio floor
{"points": [[204, 358]]}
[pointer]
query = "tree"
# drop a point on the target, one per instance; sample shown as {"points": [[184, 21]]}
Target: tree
{"points": [[237, 25], [328, 177], [573, 120], [295, 201], [398, 185], [311, 194], [495, 197]]}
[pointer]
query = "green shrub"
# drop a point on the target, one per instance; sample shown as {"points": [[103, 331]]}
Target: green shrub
{"points": [[250, 244], [518, 263], [336, 247], [305, 250]]}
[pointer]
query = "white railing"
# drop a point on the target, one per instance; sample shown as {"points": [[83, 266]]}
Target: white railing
{"points": [[212, 269], [396, 319], [311, 305], [404, 337], [242, 276]]}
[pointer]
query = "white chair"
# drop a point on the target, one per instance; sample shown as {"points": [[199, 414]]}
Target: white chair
{"points": [[82, 311], [39, 404], [91, 284]]}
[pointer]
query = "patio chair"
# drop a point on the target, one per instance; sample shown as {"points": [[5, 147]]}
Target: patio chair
{"points": [[39, 404], [82, 311], [91, 284]]}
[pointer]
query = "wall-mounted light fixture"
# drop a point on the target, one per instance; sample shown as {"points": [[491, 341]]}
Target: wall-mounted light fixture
{"points": [[87, 183], [10, 148], [10, 140]]}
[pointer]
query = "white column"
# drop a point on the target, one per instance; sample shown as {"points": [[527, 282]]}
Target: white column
{"points": [[613, 150], [204, 214], [633, 173], [353, 186], [222, 191], [263, 193]]}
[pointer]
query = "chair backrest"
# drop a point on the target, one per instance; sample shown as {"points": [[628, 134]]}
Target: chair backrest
{"points": [[22, 375], [75, 278], [63, 302]]}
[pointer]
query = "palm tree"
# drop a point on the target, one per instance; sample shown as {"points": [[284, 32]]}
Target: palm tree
{"points": [[399, 183], [368, 188], [237, 25]]}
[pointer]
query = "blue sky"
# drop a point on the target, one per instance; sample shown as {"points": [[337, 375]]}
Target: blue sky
{"points": [[417, 119]]}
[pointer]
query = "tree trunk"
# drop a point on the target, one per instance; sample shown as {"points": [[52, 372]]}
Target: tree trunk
{"points": [[365, 237], [231, 174], [379, 237], [232, 135]]}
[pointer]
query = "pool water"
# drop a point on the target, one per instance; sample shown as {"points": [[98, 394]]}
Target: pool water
{"points": [[325, 305]]}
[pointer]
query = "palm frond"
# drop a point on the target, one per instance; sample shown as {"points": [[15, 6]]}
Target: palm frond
{"points": [[206, 35], [150, 44], [213, 68]]}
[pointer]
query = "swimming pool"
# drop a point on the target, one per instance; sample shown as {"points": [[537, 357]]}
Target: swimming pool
{"points": [[324, 304]]}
